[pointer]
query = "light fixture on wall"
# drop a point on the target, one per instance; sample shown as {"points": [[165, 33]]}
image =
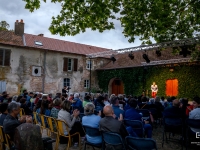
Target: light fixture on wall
{"points": [[146, 58], [131, 56], [113, 58]]}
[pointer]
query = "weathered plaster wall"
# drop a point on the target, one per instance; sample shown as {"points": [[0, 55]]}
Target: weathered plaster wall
{"points": [[19, 74]]}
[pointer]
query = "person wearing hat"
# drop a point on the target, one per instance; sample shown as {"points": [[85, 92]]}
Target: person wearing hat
{"points": [[77, 103]]}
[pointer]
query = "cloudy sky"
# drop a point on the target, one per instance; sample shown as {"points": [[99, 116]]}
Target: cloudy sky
{"points": [[40, 20]]}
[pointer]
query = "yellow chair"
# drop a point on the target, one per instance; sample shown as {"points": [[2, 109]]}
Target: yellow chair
{"points": [[21, 113], [35, 118], [60, 124], [53, 128], [4, 139], [43, 124]]}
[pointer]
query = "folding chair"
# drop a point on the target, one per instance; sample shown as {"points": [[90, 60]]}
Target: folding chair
{"points": [[134, 143], [113, 139], [35, 117], [136, 125], [60, 124], [21, 113], [44, 124], [53, 128], [92, 132], [145, 113]]}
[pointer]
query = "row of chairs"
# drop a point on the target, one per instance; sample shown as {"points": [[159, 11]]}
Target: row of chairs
{"points": [[116, 140], [55, 126], [4, 139]]}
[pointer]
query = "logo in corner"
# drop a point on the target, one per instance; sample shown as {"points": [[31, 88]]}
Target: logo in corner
{"points": [[197, 135]]}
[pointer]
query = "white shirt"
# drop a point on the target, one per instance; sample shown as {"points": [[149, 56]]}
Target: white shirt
{"points": [[195, 114]]}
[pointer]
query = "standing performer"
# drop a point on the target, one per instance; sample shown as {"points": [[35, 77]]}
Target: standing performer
{"points": [[154, 90]]}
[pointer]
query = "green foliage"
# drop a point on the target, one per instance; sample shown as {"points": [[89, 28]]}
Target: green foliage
{"points": [[4, 25], [161, 20], [135, 79]]}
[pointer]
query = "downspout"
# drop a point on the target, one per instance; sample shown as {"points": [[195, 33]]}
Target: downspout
{"points": [[44, 71]]}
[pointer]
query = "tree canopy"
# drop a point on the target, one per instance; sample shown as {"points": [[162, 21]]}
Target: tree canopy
{"points": [[160, 20], [4, 25]]}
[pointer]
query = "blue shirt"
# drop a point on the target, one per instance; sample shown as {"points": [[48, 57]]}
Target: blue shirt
{"points": [[92, 121], [132, 114], [77, 104], [118, 111]]}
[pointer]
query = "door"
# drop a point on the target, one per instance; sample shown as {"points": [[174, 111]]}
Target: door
{"points": [[172, 87], [2, 86], [117, 87]]}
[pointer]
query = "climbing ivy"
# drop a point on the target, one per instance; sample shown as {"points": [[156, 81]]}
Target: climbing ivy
{"points": [[138, 79]]}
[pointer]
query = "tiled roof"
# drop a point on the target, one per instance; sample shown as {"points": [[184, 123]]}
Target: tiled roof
{"points": [[60, 45], [123, 61], [9, 37]]}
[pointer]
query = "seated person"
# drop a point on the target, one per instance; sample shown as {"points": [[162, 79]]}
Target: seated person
{"points": [[195, 113], [71, 120], [92, 120], [56, 108], [87, 99], [27, 110], [11, 121], [4, 112], [116, 107], [77, 103], [144, 104], [133, 114]]}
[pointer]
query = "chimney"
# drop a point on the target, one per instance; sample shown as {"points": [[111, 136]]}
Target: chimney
{"points": [[41, 34], [19, 27]]}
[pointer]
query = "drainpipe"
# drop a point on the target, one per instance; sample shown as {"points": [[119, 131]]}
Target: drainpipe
{"points": [[90, 75], [44, 72]]}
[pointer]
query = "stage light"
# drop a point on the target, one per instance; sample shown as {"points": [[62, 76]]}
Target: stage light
{"points": [[131, 56], [145, 56], [158, 53], [184, 51], [113, 58]]}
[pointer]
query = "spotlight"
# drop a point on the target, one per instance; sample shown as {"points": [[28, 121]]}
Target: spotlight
{"points": [[184, 51], [158, 53], [131, 56], [145, 56], [113, 58]]}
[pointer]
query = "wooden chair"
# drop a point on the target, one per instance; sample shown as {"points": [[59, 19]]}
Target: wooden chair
{"points": [[53, 129], [21, 113], [35, 118], [60, 124]]}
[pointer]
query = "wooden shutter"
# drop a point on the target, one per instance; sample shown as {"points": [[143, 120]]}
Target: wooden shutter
{"points": [[7, 58], [75, 64], [65, 64]]}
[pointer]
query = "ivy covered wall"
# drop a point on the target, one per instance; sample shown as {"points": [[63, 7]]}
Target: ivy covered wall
{"points": [[138, 79]]}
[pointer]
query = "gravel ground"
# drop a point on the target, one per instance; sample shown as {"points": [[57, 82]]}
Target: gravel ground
{"points": [[157, 136]]}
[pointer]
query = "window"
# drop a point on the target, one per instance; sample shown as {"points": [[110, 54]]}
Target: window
{"points": [[89, 64], [66, 82], [70, 64], [86, 83], [38, 43], [4, 57]]}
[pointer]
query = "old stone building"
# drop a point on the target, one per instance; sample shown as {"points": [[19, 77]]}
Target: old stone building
{"points": [[43, 64]]}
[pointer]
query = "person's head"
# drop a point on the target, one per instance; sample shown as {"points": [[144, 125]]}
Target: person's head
{"points": [[13, 109], [152, 100], [39, 95], [133, 102], [4, 93], [14, 98], [115, 101], [196, 102], [144, 99], [44, 106], [31, 94], [4, 107], [22, 100], [66, 105], [87, 97], [57, 102], [35, 96], [176, 103], [154, 83], [108, 110], [89, 109], [120, 97], [162, 98], [76, 95], [18, 98], [157, 99], [65, 87]]}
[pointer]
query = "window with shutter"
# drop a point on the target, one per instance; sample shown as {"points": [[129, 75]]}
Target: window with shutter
{"points": [[4, 57], [65, 64], [75, 64]]}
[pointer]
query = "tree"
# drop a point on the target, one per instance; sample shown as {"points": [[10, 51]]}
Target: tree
{"points": [[4, 25], [160, 20]]}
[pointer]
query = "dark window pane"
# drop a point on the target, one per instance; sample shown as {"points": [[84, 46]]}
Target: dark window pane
{"points": [[7, 58], [1, 57]]}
